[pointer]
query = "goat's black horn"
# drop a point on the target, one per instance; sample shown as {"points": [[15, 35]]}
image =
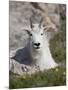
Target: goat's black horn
{"points": [[40, 22], [31, 23]]}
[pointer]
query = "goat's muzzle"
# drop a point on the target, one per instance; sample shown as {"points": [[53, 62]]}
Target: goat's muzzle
{"points": [[36, 45]]}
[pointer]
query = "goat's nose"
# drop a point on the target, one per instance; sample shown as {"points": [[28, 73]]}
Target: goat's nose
{"points": [[36, 44]]}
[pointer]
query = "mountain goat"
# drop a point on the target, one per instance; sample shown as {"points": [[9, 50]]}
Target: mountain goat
{"points": [[39, 47]]}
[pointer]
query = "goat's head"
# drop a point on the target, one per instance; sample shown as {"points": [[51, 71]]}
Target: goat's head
{"points": [[36, 35]]}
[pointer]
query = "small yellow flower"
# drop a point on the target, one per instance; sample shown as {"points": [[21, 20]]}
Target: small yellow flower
{"points": [[63, 73], [57, 69], [24, 76]]}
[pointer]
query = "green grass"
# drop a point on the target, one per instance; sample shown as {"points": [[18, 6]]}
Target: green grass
{"points": [[52, 77], [58, 44]]}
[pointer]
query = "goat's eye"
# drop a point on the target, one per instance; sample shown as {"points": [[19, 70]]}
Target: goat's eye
{"points": [[41, 33], [30, 34]]}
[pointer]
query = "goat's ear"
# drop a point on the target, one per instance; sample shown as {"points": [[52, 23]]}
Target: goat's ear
{"points": [[46, 28], [28, 31], [50, 29]]}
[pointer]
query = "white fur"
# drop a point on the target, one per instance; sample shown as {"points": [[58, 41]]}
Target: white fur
{"points": [[42, 56]]}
